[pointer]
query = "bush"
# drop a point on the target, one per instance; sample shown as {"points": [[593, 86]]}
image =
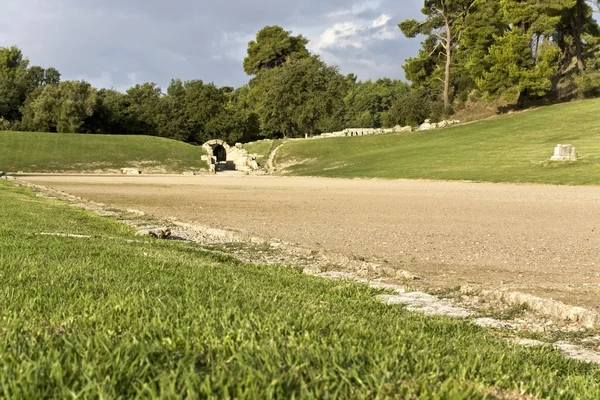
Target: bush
{"points": [[4, 124], [588, 83]]}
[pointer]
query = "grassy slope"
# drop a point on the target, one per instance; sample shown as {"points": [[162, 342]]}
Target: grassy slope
{"points": [[262, 148], [510, 148], [109, 318], [51, 152]]}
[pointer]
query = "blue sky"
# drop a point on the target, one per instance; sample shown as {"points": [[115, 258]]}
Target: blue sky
{"points": [[119, 43]]}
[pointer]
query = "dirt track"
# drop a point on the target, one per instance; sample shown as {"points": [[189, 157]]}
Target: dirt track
{"points": [[544, 240]]}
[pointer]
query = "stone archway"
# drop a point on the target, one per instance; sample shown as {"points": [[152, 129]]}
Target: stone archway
{"points": [[220, 153], [224, 157]]}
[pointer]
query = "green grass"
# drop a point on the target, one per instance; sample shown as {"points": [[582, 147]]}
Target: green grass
{"points": [[111, 318], [61, 152], [262, 148], [511, 148]]}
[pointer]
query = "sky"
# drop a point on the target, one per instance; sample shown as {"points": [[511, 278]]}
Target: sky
{"points": [[120, 43]]}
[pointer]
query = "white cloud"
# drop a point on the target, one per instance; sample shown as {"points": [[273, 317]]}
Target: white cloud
{"points": [[356, 34], [341, 35], [381, 21]]}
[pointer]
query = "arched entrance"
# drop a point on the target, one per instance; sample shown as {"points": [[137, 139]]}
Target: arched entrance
{"points": [[220, 153]]}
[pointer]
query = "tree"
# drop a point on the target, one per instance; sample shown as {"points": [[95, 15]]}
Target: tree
{"points": [[368, 103], [13, 82], [443, 24], [483, 24], [274, 47], [142, 107], [514, 75], [60, 108], [293, 100]]}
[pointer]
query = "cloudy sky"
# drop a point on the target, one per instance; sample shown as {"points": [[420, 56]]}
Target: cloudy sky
{"points": [[118, 43]]}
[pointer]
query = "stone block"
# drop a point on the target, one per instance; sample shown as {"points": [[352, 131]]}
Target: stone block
{"points": [[564, 152]]}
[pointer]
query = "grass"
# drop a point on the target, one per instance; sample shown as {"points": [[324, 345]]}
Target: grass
{"points": [[262, 148], [511, 148], [122, 317], [53, 152]]}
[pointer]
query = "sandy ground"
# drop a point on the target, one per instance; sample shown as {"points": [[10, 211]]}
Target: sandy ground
{"points": [[543, 240]]}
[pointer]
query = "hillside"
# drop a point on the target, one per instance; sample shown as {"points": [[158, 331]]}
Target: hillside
{"points": [[510, 148], [53, 152]]}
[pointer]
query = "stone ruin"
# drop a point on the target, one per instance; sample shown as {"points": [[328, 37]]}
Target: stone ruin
{"points": [[428, 125], [564, 152], [350, 132], [223, 157]]}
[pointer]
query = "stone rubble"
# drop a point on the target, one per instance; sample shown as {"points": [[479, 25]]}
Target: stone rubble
{"points": [[428, 125]]}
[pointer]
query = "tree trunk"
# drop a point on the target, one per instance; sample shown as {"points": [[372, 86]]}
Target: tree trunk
{"points": [[576, 16], [577, 29], [448, 63]]}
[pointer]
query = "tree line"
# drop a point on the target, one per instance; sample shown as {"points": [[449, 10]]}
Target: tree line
{"points": [[507, 53]]}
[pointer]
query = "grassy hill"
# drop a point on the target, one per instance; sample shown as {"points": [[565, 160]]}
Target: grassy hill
{"points": [[115, 316], [511, 148], [60, 152]]}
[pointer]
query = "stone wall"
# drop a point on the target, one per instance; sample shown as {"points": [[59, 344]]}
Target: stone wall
{"points": [[349, 132], [366, 131]]}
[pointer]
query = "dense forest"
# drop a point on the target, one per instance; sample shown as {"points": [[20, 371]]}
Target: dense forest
{"points": [[502, 54]]}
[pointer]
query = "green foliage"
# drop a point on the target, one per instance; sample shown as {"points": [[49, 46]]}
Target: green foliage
{"points": [[413, 108], [60, 108], [18, 81], [486, 148], [291, 100], [443, 25], [589, 83], [274, 47], [4, 124], [63, 152], [13, 81], [119, 317], [513, 73], [485, 45], [369, 103]]}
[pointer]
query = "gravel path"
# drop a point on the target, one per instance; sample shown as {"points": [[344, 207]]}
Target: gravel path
{"points": [[543, 240]]}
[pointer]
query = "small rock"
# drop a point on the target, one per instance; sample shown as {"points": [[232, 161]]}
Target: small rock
{"points": [[159, 233], [407, 275], [162, 233]]}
